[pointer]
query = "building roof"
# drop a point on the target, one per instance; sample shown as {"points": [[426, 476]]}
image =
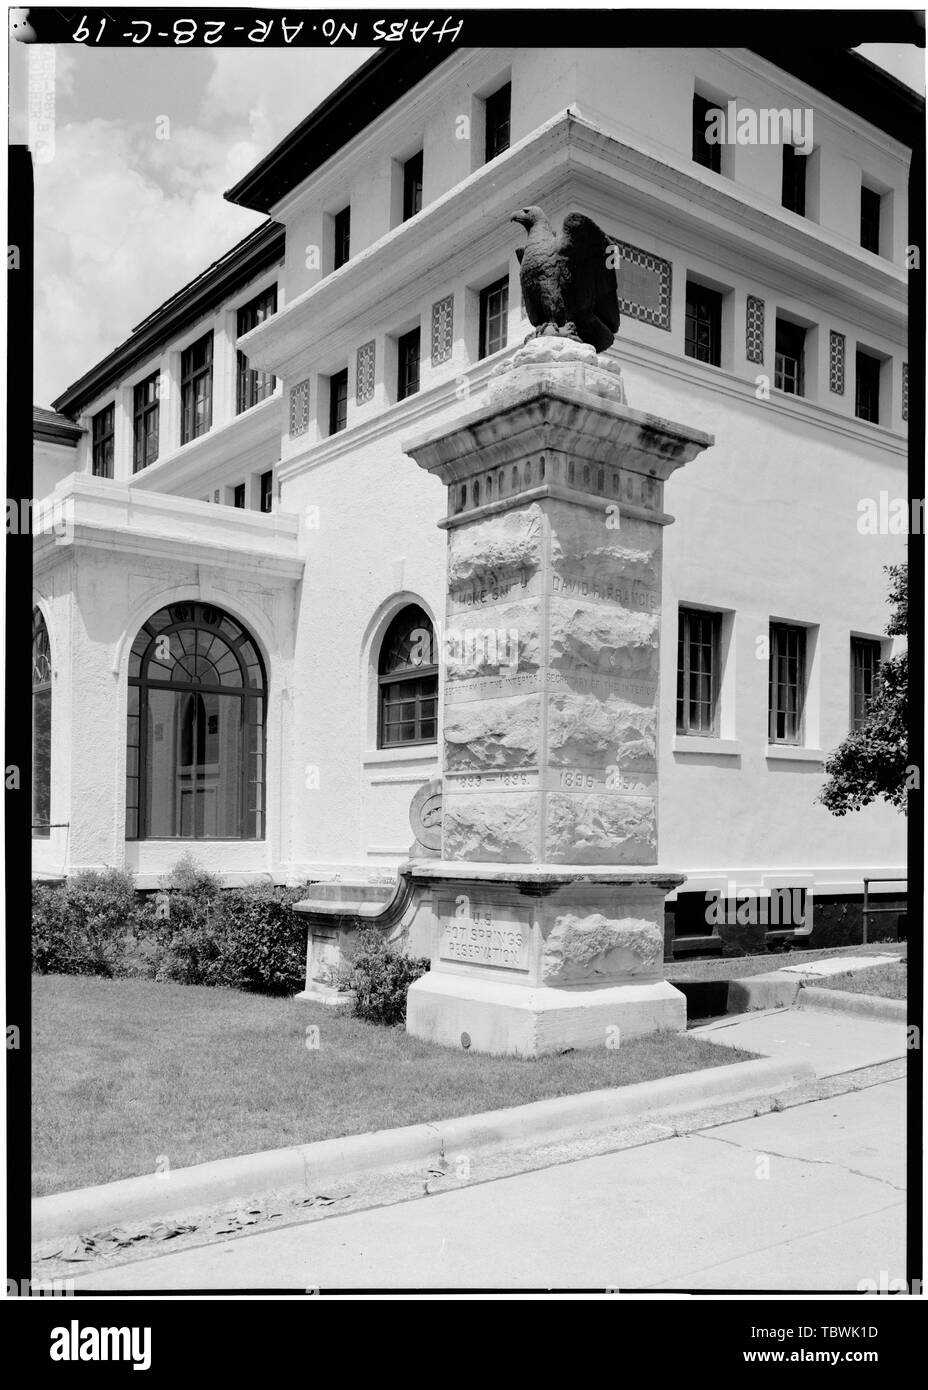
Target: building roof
{"points": [[845, 76], [858, 85], [259, 249], [53, 428]]}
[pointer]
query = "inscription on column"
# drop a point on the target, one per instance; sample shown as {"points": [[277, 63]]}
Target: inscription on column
{"points": [[483, 934]]}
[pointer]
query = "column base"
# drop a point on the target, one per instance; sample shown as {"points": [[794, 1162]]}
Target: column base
{"points": [[494, 1016]]}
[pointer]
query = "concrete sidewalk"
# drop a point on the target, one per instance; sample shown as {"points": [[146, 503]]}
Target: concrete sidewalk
{"points": [[830, 1041], [809, 1198]]}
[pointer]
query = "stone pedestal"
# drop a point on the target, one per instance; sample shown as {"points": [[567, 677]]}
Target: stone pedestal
{"points": [[550, 715]]}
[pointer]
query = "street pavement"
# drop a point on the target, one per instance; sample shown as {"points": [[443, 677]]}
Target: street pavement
{"points": [[806, 1198]]}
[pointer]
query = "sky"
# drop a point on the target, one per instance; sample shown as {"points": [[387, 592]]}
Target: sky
{"points": [[124, 216], [129, 206]]}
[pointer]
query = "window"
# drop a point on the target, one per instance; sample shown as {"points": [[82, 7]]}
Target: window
{"points": [[104, 432], [412, 186], [786, 683], [196, 388], [41, 727], [145, 423], [338, 401], [407, 352], [494, 312], [342, 237], [408, 681], [697, 671], [865, 665], [703, 330], [253, 386], [788, 363], [195, 730], [691, 915], [867, 390], [709, 155], [238, 495], [267, 491], [870, 219], [497, 109], [794, 180]]}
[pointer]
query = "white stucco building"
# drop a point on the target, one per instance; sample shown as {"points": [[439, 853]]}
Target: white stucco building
{"points": [[235, 548]]}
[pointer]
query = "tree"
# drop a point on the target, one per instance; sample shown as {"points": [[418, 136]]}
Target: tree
{"points": [[872, 762]]}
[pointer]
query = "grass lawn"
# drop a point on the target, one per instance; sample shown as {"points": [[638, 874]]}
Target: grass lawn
{"points": [[127, 1073], [888, 981], [740, 967]]}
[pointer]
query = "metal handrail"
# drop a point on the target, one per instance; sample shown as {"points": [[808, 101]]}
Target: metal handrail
{"points": [[868, 911]]}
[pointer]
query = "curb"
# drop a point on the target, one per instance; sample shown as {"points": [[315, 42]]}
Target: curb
{"points": [[775, 990], [311, 1166], [863, 1005]]}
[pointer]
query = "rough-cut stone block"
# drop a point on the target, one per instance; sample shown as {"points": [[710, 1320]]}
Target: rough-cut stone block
{"points": [[594, 948], [504, 641], [494, 553], [600, 829], [491, 827], [615, 562], [587, 731], [620, 644], [482, 734]]}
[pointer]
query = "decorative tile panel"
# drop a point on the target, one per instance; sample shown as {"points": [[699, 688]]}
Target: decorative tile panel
{"points": [[299, 408], [905, 390], [645, 282], [442, 329], [754, 329], [364, 388], [836, 355]]}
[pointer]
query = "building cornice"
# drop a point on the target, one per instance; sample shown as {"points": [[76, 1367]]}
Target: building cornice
{"points": [[241, 437], [566, 148], [96, 513]]}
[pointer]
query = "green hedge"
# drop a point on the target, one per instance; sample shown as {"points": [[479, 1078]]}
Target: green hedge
{"points": [[193, 931]]}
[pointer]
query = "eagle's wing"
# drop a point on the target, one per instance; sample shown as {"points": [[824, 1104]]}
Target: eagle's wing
{"points": [[594, 282]]}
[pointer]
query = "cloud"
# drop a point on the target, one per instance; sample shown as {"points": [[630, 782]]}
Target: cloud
{"points": [[125, 218], [122, 221]]}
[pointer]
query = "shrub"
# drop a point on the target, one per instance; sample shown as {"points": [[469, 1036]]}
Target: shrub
{"points": [[380, 978], [261, 942], [183, 924], [82, 926], [52, 940]]}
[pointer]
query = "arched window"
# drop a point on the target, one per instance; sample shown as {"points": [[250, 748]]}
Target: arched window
{"points": [[195, 737], [41, 727], [408, 681]]}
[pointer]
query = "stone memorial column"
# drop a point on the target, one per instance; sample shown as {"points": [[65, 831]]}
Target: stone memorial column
{"points": [[548, 899]]}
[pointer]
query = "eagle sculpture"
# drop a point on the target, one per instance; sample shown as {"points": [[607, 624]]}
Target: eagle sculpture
{"points": [[568, 279]]}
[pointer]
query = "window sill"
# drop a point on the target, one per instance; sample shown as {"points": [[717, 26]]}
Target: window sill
{"points": [[695, 743], [407, 753], [791, 753]]}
